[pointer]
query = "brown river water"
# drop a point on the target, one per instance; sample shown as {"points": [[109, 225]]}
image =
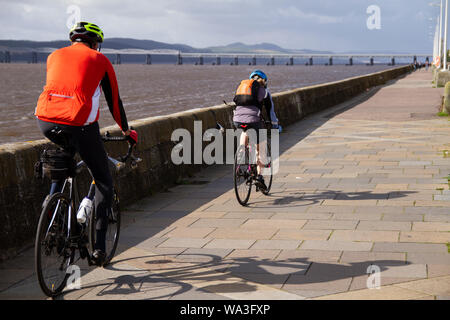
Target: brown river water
{"points": [[153, 90]]}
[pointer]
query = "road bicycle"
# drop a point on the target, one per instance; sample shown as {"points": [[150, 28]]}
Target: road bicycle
{"points": [[245, 166], [59, 235]]}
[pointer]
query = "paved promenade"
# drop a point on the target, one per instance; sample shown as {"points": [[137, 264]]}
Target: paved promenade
{"points": [[363, 183]]}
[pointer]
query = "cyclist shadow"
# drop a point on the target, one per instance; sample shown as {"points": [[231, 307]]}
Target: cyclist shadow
{"points": [[301, 198], [177, 277]]}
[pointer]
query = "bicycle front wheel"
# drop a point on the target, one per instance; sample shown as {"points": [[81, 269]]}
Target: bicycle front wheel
{"points": [[112, 234], [53, 254], [241, 175]]}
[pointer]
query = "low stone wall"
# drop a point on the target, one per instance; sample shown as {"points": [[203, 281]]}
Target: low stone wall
{"points": [[440, 78], [21, 194], [446, 104]]}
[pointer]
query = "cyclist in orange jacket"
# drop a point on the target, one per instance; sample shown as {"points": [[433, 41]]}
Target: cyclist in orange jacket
{"points": [[70, 103]]}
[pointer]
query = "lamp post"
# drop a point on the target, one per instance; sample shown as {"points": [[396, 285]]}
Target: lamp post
{"points": [[440, 30], [440, 36], [445, 35]]}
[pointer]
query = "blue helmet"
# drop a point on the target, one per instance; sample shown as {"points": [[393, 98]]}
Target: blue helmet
{"points": [[258, 73]]}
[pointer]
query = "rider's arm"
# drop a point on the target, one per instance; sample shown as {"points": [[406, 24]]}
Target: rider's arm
{"points": [[111, 90], [270, 109]]}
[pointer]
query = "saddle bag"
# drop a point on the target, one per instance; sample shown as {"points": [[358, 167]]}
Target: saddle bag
{"points": [[55, 165]]}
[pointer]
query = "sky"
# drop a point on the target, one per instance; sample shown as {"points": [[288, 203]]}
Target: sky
{"points": [[405, 26]]}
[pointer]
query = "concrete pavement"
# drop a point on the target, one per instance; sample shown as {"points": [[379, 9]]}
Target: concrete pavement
{"points": [[361, 184]]}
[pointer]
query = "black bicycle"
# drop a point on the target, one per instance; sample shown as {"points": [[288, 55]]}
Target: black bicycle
{"points": [[245, 167], [60, 235]]}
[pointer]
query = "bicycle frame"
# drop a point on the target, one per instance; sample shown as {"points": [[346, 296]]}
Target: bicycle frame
{"points": [[71, 185]]}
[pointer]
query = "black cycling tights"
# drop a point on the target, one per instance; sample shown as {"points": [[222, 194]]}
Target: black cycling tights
{"points": [[88, 143]]}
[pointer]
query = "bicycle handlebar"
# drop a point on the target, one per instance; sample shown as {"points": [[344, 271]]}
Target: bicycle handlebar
{"points": [[134, 160]]}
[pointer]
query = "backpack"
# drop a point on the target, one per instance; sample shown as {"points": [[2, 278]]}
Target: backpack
{"points": [[247, 93]]}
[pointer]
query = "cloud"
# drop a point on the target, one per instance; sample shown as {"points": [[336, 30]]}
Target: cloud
{"points": [[319, 24], [293, 12]]}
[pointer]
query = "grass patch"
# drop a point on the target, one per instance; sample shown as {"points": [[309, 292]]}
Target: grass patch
{"points": [[442, 114], [448, 247]]}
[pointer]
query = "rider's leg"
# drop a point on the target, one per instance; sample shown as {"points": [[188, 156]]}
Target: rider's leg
{"points": [[93, 153], [262, 156], [244, 139]]}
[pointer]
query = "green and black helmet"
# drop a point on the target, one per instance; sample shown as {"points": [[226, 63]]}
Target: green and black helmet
{"points": [[87, 32]]}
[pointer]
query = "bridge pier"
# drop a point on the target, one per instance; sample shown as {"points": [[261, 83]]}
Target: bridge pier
{"points": [[34, 58], [148, 59], [7, 57]]}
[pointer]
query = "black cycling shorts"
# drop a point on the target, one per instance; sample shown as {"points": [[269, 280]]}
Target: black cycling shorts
{"points": [[256, 126]]}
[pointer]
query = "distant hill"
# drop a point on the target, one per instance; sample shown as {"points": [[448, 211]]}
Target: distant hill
{"points": [[111, 43], [128, 43], [268, 48], [239, 47]]}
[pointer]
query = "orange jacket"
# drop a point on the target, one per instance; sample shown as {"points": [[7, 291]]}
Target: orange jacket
{"points": [[71, 94]]}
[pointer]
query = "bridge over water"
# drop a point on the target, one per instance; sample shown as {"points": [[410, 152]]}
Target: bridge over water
{"points": [[235, 58]]}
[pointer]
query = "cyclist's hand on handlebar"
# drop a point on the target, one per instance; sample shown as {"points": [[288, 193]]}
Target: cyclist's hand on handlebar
{"points": [[132, 136]]}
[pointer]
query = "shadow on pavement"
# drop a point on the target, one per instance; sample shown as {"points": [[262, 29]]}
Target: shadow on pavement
{"points": [[175, 277]]}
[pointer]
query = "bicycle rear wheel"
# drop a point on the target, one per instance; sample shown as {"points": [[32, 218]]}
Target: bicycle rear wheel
{"points": [[112, 234], [241, 175], [268, 169], [53, 254]]}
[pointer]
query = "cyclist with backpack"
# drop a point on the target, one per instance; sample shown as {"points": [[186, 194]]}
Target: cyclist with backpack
{"points": [[69, 105], [251, 96]]}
